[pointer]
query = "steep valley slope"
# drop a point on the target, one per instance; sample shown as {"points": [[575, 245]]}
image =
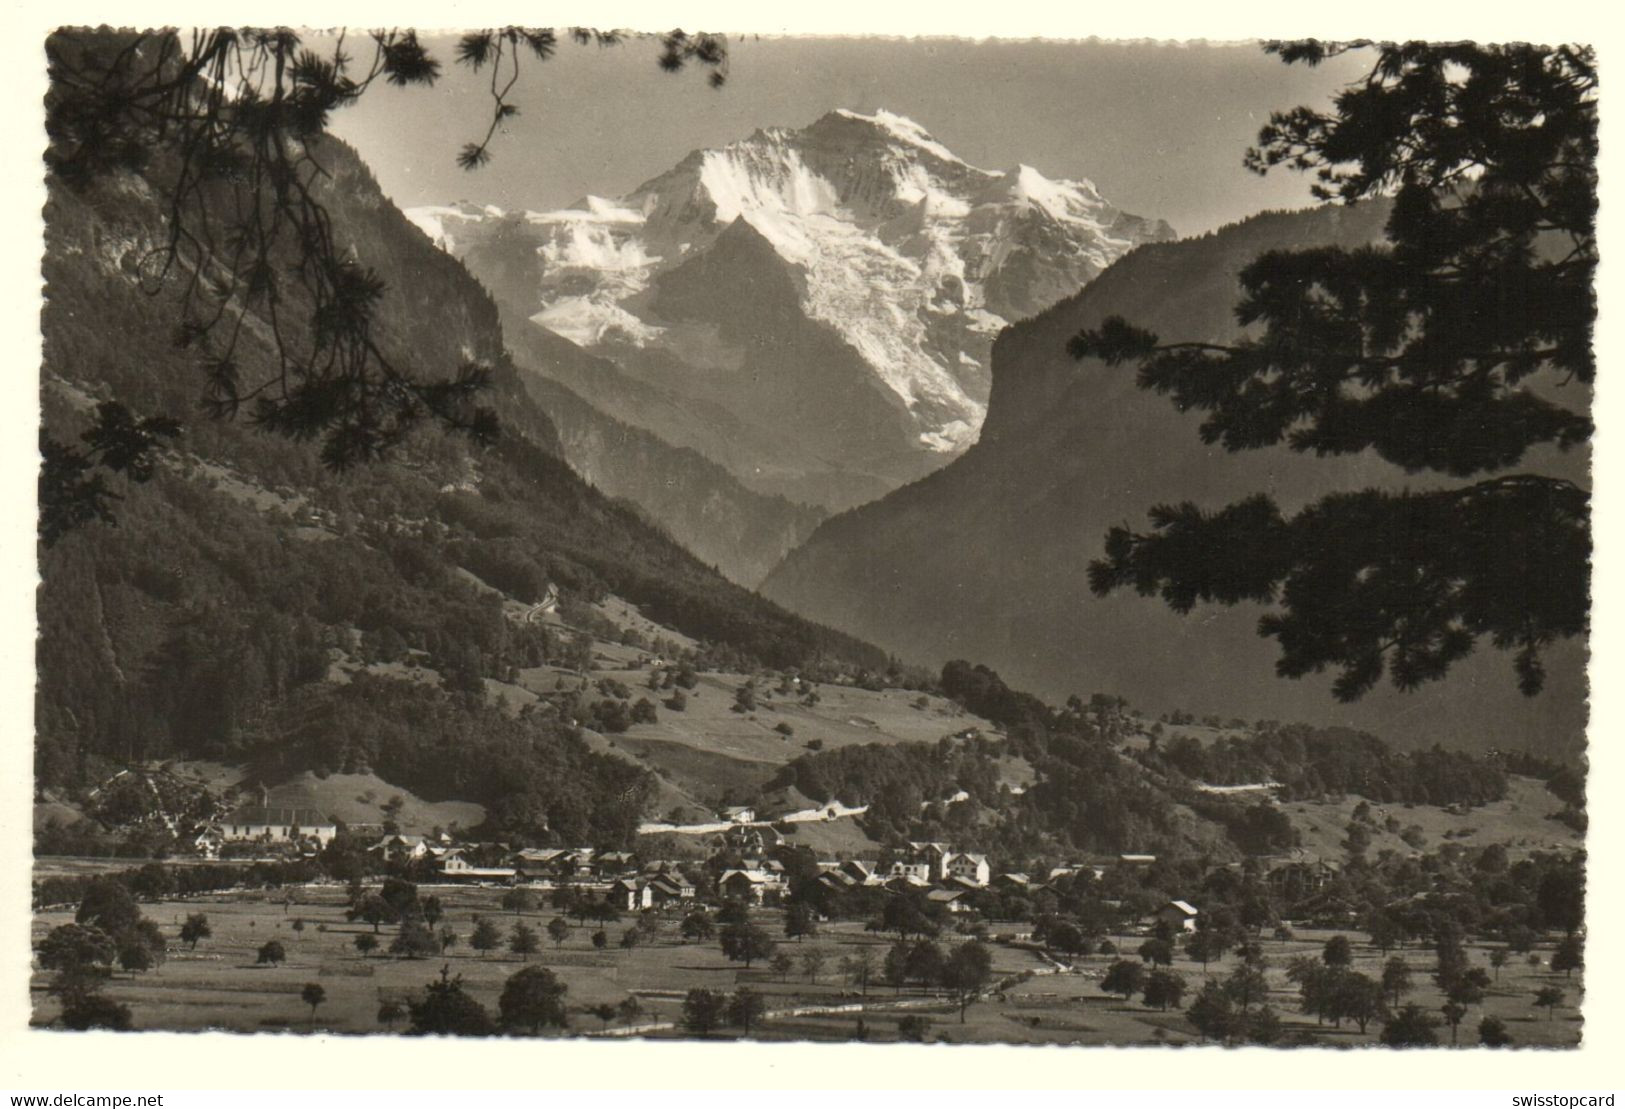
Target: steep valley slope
{"points": [[986, 558]]}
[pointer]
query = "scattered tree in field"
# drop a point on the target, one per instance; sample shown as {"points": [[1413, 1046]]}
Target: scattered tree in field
{"points": [[704, 1011], [1549, 998], [77, 948], [1123, 977], [1469, 987], [390, 1012], [271, 952], [1157, 952], [86, 1009], [558, 930], [1569, 956], [1412, 351], [522, 941], [446, 1009], [966, 972], [600, 939], [533, 999], [629, 1010], [1205, 946], [1492, 1032], [1409, 1027], [630, 939], [487, 937], [1264, 1026], [107, 905], [1246, 984], [298, 924], [1214, 1014], [746, 943], [782, 964], [745, 1008], [812, 963], [1498, 959], [414, 941], [135, 957], [432, 910], [1338, 952], [697, 925], [313, 995], [448, 939], [1396, 979], [913, 1028], [1164, 988], [800, 920], [1385, 932], [1521, 938], [195, 928], [374, 910], [605, 1012], [1453, 1012], [519, 900], [858, 969]]}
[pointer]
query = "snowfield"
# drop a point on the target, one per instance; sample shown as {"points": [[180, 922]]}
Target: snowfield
{"points": [[913, 256]]}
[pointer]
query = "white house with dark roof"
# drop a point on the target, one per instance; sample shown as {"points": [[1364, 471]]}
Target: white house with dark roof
{"points": [[967, 868], [1178, 915]]}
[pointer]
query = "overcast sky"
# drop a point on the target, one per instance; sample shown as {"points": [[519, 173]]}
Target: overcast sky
{"points": [[1159, 128]]}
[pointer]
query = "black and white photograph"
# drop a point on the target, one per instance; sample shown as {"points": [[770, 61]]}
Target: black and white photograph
{"points": [[633, 534]]}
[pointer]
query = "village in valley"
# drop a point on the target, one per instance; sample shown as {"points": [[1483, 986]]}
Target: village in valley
{"points": [[769, 918]]}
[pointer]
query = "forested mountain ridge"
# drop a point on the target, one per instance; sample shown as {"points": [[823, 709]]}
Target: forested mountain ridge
{"points": [[987, 558], [243, 568]]}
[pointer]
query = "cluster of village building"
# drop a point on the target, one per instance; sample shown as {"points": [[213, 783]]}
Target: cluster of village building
{"points": [[942, 874]]}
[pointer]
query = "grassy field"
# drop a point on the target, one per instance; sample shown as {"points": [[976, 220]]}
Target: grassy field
{"points": [[707, 751], [1519, 821], [220, 986]]}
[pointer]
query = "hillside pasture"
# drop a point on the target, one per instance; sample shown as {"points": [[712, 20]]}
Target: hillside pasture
{"points": [[1519, 821]]}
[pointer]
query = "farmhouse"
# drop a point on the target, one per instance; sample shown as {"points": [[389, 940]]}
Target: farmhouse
{"points": [[1178, 915], [400, 848], [951, 900], [910, 871], [754, 887], [968, 869], [738, 814], [631, 894], [933, 856], [267, 824], [670, 888], [1293, 881]]}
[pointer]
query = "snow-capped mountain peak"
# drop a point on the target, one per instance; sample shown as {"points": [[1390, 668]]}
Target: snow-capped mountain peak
{"points": [[909, 255]]}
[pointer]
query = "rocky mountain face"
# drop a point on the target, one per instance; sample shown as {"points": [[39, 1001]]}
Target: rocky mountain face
{"points": [[814, 309], [986, 559]]}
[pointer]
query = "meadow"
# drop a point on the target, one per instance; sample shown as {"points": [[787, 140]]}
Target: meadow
{"points": [[1035, 998]]}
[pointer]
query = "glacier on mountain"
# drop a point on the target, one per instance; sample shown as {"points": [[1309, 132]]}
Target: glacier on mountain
{"points": [[915, 258]]}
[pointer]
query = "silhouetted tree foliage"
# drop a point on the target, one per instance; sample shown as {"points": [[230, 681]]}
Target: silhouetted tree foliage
{"points": [[533, 999], [446, 1009], [1443, 351], [227, 125]]}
